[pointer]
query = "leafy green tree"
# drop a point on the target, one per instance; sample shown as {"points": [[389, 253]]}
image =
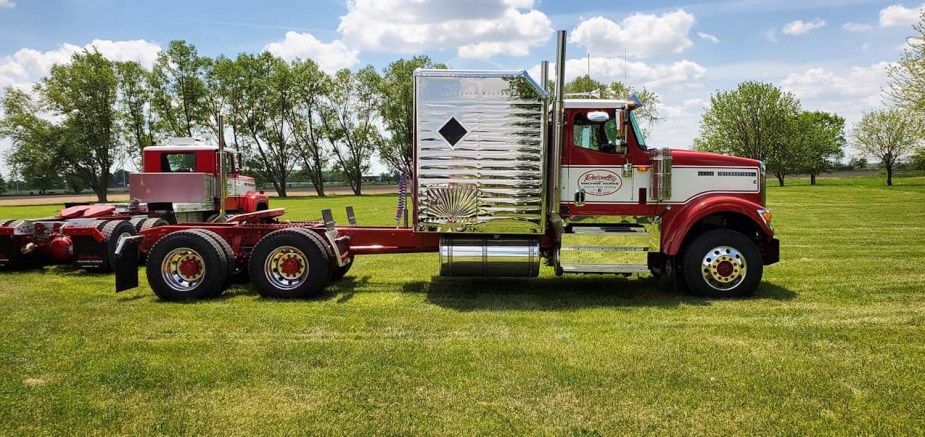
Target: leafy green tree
{"points": [[35, 143], [179, 92], [818, 142], [907, 77], [349, 121], [311, 85], [268, 99], [890, 136], [396, 108], [2, 184], [134, 104], [752, 121], [917, 160]]}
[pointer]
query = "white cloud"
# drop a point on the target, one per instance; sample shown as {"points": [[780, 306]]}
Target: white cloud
{"points": [[330, 57], [475, 28], [708, 37], [8, 4], [851, 90], [636, 74], [857, 27], [800, 27], [640, 35], [899, 15], [28, 65]]}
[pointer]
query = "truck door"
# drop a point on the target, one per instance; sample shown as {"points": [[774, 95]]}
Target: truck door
{"points": [[593, 162]]}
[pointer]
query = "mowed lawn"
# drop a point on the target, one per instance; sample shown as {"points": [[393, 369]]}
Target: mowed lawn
{"points": [[833, 343]]}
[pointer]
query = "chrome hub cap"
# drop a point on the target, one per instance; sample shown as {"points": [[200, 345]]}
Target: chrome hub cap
{"points": [[183, 269], [724, 268], [286, 267]]}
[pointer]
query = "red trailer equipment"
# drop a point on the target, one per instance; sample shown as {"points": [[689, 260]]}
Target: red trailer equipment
{"points": [[504, 179], [179, 183]]}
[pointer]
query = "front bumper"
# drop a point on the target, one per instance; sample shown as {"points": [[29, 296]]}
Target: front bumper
{"points": [[770, 251]]}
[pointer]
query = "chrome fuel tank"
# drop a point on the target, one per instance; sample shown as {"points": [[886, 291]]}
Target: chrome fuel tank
{"points": [[479, 152], [465, 255]]}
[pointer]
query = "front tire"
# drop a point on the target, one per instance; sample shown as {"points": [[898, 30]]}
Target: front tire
{"points": [[289, 264], [722, 263], [186, 266]]}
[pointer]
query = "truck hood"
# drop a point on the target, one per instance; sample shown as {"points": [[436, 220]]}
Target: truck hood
{"points": [[690, 157]]}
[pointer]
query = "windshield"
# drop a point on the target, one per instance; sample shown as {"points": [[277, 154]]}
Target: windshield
{"points": [[637, 131]]}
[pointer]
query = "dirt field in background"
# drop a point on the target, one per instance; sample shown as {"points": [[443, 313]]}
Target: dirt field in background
{"points": [[61, 199]]}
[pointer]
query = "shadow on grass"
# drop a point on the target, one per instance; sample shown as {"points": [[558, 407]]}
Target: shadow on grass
{"points": [[563, 293]]}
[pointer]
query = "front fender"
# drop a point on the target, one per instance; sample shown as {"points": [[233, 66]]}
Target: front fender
{"points": [[253, 199], [678, 222]]}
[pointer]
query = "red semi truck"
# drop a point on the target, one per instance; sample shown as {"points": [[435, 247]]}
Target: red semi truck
{"points": [[506, 179], [179, 183]]}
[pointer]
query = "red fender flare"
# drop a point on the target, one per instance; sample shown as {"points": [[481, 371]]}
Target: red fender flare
{"points": [[678, 222], [253, 199]]}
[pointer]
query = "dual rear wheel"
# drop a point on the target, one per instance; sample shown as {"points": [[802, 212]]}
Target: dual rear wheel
{"points": [[198, 264]]}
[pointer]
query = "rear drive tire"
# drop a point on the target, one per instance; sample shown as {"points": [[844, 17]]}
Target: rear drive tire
{"points": [[722, 263], [289, 264], [185, 266], [226, 251]]}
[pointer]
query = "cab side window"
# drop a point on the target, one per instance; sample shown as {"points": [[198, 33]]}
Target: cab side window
{"points": [[178, 162], [597, 136]]}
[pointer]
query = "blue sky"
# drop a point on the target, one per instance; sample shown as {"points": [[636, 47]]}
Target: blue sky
{"points": [[831, 54]]}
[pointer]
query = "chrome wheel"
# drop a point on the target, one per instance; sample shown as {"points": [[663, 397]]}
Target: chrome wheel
{"points": [[286, 267], [724, 268], [183, 269]]}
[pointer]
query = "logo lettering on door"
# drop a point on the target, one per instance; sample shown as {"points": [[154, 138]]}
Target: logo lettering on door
{"points": [[600, 182]]}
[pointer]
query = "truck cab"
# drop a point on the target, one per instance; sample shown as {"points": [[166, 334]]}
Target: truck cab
{"points": [[181, 178]]}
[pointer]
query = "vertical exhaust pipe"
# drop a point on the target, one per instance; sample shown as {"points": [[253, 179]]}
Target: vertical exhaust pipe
{"points": [[222, 180], [558, 113]]}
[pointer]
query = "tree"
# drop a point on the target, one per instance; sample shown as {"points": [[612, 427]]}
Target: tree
{"points": [[179, 91], [349, 120], [917, 160], [396, 108], [888, 135], [268, 99], [311, 85], [134, 104], [35, 143], [907, 77], [818, 142], [2, 184], [752, 121]]}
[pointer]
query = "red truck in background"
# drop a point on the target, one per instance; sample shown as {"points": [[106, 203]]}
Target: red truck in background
{"points": [[506, 179], [179, 183]]}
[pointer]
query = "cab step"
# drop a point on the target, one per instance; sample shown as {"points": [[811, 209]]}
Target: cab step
{"points": [[605, 268], [607, 248], [610, 229]]}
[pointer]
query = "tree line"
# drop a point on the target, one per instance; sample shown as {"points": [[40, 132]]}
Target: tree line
{"points": [[283, 117], [761, 121]]}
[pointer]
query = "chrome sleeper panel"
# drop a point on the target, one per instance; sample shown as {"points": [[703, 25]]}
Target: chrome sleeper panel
{"points": [[491, 179]]}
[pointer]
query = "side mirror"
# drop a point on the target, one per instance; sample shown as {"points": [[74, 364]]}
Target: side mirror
{"points": [[598, 116]]}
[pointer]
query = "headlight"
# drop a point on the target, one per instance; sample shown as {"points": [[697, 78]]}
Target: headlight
{"points": [[766, 216]]}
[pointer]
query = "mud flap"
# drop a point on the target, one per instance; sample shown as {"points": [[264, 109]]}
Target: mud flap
{"points": [[126, 266], [89, 253]]}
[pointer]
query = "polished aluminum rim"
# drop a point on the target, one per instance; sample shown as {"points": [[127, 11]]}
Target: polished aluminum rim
{"points": [[183, 269], [286, 267], [724, 268]]}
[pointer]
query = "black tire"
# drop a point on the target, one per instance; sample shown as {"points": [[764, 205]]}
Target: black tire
{"points": [[112, 230], [152, 223], [226, 251], [722, 263], [302, 247], [339, 272], [137, 222], [171, 254]]}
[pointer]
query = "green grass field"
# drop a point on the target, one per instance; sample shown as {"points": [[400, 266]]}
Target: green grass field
{"points": [[833, 343]]}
